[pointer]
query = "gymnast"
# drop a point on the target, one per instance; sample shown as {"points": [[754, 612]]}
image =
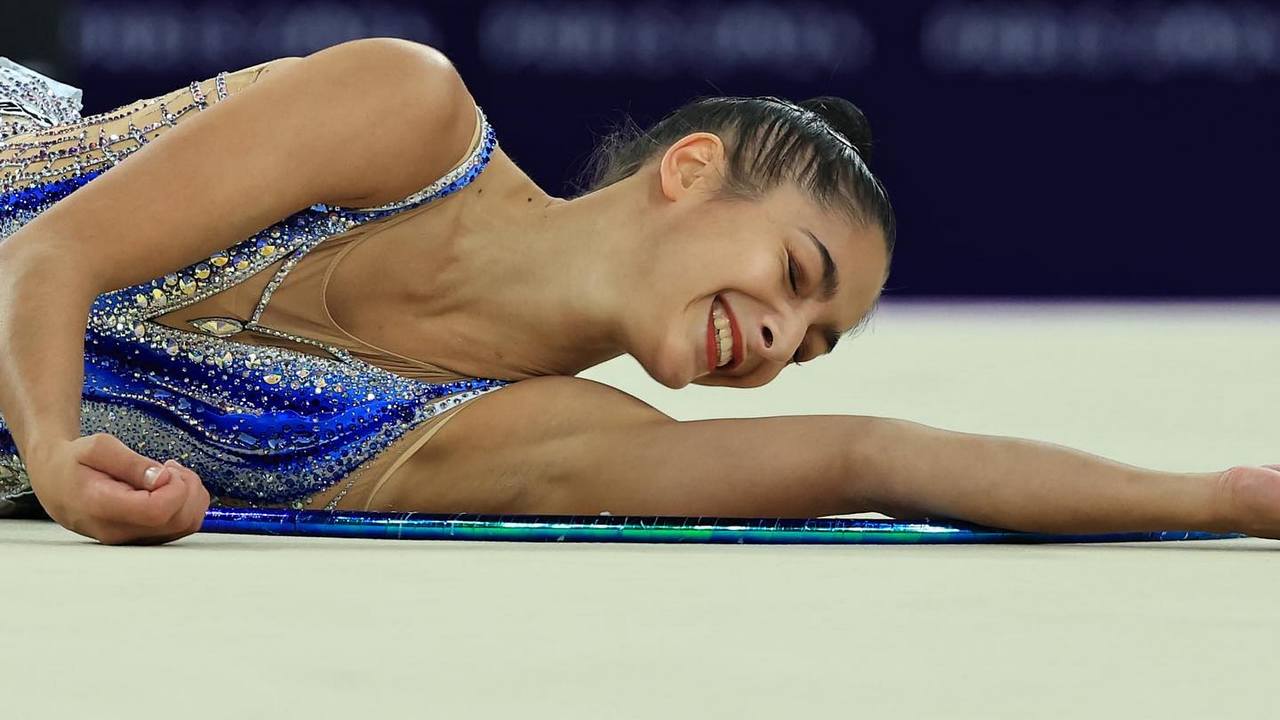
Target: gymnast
{"points": [[319, 282]]}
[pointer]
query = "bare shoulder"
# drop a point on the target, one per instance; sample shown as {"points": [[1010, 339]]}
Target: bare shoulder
{"points": [[391, 64], [403, 102], [357, 124]]}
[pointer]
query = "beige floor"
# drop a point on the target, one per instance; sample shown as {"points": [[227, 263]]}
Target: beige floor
{"points": [[243, 627]]}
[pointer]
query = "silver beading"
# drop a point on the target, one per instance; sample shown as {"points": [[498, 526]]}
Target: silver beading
{"points": [[30, 101]]}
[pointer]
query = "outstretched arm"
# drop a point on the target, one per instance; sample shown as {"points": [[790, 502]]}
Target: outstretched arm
{"points": [[565, 445]]}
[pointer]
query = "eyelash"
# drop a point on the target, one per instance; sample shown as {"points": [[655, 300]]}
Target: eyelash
{"points": [[795, 288]]}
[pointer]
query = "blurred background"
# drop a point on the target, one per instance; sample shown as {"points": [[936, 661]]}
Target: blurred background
{"points": [[1043, 149], [1121, 155]]}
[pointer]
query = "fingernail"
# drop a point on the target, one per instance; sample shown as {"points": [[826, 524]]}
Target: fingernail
{"points": [[151, 476]]}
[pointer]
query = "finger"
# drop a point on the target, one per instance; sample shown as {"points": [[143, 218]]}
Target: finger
{"points": [[189, 519], [180, 470], [196, 485], [106, 453], [113, 501], [1272, 467], [195, 509]]}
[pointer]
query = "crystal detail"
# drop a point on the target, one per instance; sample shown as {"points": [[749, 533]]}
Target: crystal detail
{"points": [[41, 168], [218, 326], [33, 100]]}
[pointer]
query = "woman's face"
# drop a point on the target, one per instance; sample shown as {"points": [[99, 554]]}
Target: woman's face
{"points": [[740, 289]]}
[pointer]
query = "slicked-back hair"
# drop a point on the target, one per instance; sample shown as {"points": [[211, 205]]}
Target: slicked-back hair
{"points": [[822, 144]]}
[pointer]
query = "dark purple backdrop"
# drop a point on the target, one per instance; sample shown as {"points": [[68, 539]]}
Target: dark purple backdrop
{"points": [[1030, 148]]}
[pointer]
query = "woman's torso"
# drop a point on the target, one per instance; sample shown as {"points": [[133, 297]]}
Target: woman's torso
{"points": [[345, 292], [338, 293], [296, 313]]}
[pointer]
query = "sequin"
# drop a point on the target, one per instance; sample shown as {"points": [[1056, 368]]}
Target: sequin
{"points": [[223, 406]]}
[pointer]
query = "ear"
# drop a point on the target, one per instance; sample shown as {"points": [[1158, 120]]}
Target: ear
{"points": [[693, 164]]}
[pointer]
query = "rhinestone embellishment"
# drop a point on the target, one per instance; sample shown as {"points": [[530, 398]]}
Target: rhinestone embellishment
{"points": [[271, 424], [218, 326]]}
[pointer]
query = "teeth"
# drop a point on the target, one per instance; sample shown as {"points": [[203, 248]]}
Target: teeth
{"points": [[724, 335]]}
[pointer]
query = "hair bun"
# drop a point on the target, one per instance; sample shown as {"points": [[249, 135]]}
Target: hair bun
{"points": [[845, 118]]}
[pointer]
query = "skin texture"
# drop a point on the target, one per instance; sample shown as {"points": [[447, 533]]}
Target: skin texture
{"points": [[512, 282]]}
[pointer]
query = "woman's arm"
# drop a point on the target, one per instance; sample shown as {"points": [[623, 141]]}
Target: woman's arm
{"points": [[1023, 484], [564, 445], [358, 124]]}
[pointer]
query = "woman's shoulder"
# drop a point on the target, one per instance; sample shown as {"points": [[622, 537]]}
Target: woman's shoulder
{"points": [[396, 113], [403, 67]]}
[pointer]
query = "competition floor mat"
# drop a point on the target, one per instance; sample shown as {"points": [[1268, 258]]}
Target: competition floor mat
{"points": [[635, 529]]}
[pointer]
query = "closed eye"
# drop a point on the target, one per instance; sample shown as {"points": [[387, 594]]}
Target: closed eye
{"points": [[793, 270], [799, 354]]}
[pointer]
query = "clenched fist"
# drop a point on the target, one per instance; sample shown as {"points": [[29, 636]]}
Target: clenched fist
{"points": [[98, 487]]}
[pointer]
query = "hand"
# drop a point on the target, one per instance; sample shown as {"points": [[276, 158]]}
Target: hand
{"points": [[1253, 499], [98, 487]]}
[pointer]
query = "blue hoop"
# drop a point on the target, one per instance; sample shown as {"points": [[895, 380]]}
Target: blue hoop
{"points": [[590, 528]]}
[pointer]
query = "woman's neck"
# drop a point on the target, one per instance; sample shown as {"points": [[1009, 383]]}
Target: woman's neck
{"points": [[534, 290]]}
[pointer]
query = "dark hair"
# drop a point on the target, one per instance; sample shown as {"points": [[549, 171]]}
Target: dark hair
{"points": [[823, 144]]}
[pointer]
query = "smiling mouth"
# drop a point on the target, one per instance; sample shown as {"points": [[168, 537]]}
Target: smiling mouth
{"points": [[724, 340]]}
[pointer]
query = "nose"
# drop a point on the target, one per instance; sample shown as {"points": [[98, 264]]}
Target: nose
{"points": [[780, 337]]}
